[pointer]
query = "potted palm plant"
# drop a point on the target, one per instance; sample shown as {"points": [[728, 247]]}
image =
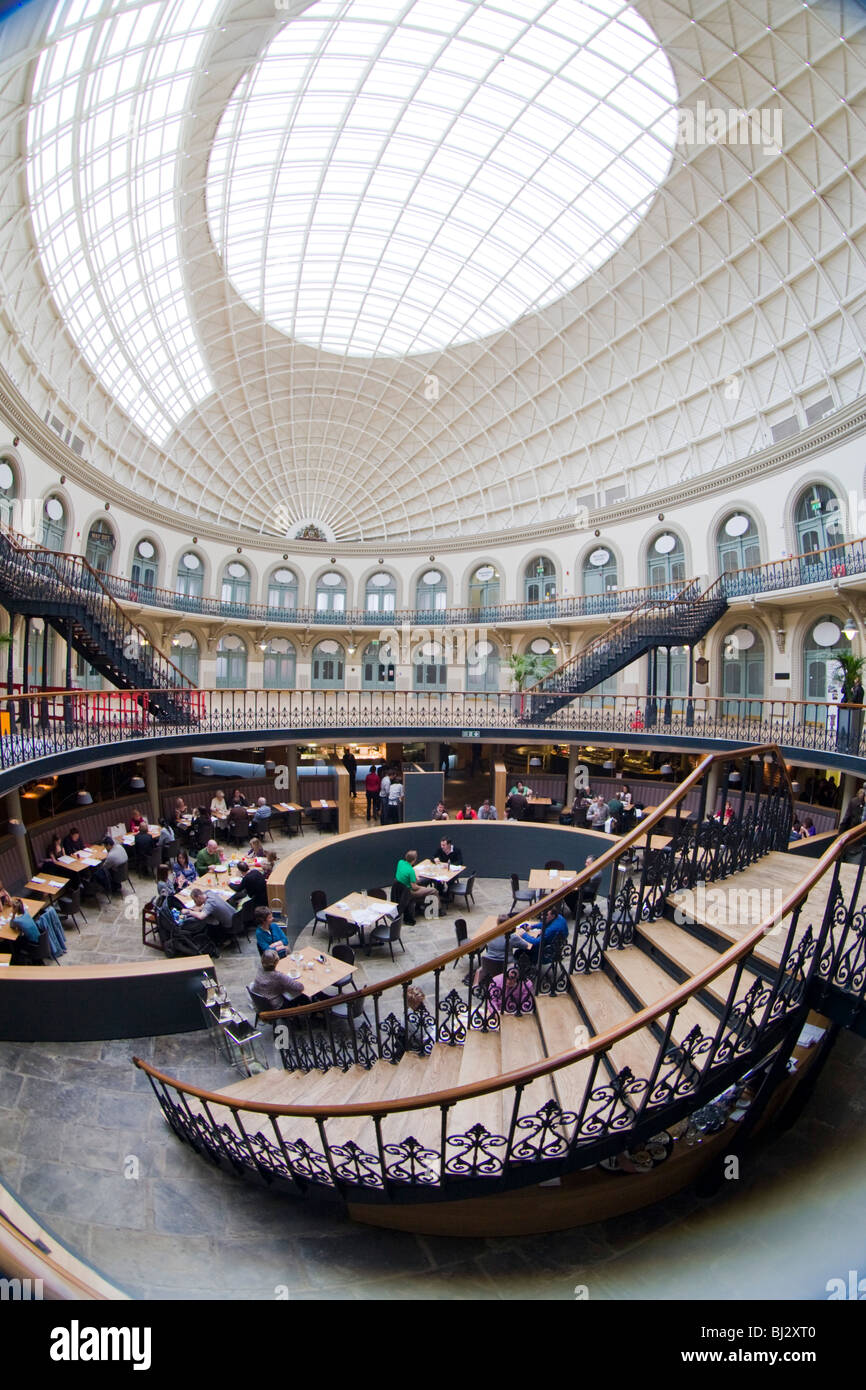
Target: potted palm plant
{"points": [[528, 668], [850, 721]]}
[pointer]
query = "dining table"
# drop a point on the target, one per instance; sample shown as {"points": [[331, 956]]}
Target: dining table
{"points": [[362, 910], [315, 968]]}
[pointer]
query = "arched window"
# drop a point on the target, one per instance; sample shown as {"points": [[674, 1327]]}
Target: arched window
{"points": [[666, 562], [429, 666], [431, 592], [539, 580], [482, 666], [235, 584], [100, 547], [279, 666], [818, 519], [231, 665], [190, 575], [484, 587], [144, 565], [599, 571], [825, 641], [331, 593], [53, 524], [328, 666], [185, 654], [283, 589], [8, 493], [381, 594], [737, 543], [743, 670], [378, 669]]}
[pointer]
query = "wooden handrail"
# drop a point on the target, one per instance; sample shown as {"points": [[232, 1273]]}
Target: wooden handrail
{"points": [[525, 1075]]}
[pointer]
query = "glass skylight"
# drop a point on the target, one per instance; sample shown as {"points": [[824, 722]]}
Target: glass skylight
{"points": [[103, 143], [397, 176]]}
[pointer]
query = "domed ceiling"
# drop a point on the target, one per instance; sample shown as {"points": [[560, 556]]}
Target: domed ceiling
{"points": [[404, 268]]}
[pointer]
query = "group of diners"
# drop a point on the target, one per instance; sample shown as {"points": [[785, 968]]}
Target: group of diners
{"points": [[409, 888], [220, 815], [184, 888], [383, 786], [486, 811], [616, 814]]}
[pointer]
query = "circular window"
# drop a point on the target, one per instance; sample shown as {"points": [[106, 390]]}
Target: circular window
{"points": [[665, 544], [742, 639], [484, 573], [7, 477], [329, 648], [54, 509], [826, 633], [431, 577], [237, 570], [184, 639], [191, 562], [406, 177], [737, 525], [145, 550], [331, 579], [599, 557], [540, 646], [281, 645], [231, 644], [382, 580], [284, 577]]}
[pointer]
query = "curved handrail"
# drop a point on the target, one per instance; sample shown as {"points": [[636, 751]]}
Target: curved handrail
{"points": [[523, 1076]]}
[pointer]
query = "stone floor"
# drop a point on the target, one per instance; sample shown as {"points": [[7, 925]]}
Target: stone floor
{"points": [[83, 1143]]}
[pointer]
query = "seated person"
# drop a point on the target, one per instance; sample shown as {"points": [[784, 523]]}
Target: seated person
{"points": [[587, 893], [269, 934], [508, 994], [213, 912], [135, 821], [73, 842], [439, 812], [521, 789], [467, 813], [253, 884], [796, 827], [486, 811], [516, 805], [544, 933], [184, 872], [448, 852], [238, 798], [493, 958], [239, 819], [262, 815], [807, 830], [51, 863], [207, 857], [275, 986], [25, 950], [166, 834], [143, 843], [405, 875], [257, 849], [180, 808], [218, 806], [109, 873]]}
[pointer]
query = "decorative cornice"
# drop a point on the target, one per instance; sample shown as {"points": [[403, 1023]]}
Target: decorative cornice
{"points": [[846, 424]]}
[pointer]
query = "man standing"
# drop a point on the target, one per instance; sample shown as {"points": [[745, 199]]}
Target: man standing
{"points": [[395, 801], [350, 763], [384, 789], [372, 784]]}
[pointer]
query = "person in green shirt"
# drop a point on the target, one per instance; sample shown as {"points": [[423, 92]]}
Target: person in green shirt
{"points": [[207, 857], [405, 875], [521, 789]]}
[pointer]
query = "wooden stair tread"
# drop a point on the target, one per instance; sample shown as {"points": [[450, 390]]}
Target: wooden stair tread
{"points": [[693, 955], [649, 982], [558, 1018], [606, 1008], [481, 1060], [522, 1046]]}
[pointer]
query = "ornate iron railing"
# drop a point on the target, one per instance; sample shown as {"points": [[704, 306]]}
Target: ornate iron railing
{"points": [[401, 1150], [58, 723]]}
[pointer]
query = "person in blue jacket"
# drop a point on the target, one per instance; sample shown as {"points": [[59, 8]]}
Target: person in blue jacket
{"points": [[269, 934]]}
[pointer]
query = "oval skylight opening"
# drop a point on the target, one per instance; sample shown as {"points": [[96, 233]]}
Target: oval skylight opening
{"points": [[395, 178]]}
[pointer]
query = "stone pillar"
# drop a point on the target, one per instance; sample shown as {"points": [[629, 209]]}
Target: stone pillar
{"points": [[712, 780], [16, 823], [151, 781]]}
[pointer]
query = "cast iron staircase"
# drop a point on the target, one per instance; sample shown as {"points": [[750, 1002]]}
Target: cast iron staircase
{"points": [[678, 622], [67, 593]]}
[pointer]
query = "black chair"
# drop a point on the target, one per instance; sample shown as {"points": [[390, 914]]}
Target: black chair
{"points": [[327, 820], [554, 864], [520, 895], [262, 828], [401, 894], [385, 933], [246, 907], [33, 952], [377, 893], [260, 1004], [182, 939], [68, 908], [292, 823], [237, 832], [318, 902], [340, 930], [461, 931], [153, 861], [235, 929], [465, 892]]}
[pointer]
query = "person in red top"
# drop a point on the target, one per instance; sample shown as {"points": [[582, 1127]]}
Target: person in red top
{"points": [[372, 785], [135, 822], [467, 814]]}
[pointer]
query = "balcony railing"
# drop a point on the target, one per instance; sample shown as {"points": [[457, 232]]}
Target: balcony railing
{"points": [[816, 567], [57, 723]]}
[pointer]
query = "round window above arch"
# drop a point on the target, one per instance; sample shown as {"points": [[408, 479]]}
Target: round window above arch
{"points": [[237, 570], [145, 549], [190, 561], [332, 579], [7, 477], [737, 525], [231, 643], [54, 509], [328, 647], [186, 640], [665, 543], [381, 580], [541, 646], [826, 633], [431, 577], [599, 557], [284, 577]]}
